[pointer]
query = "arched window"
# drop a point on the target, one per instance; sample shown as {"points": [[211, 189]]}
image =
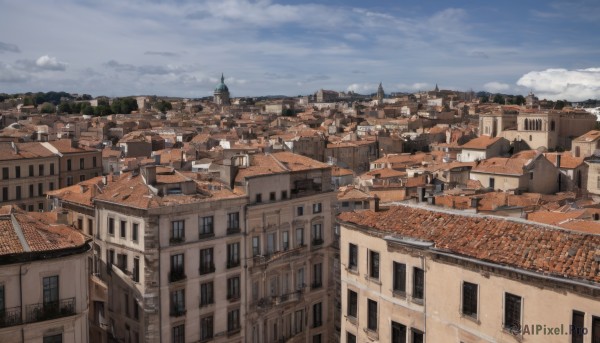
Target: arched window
{"points": [[526, 124]]}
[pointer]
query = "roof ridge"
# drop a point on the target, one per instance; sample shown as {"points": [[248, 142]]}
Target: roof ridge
{"points": [[19, 232]]}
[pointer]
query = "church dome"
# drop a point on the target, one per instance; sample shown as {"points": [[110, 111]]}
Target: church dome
{"points": [[222, 87]]}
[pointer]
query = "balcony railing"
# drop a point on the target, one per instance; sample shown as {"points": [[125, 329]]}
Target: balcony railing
{"points": [[50, 310], [176, 275], [207, 268], [317, 241], [176, 240], [316, 285], [177, 311], [10, 316], [233, 264], [206, 235], [233, 230]]}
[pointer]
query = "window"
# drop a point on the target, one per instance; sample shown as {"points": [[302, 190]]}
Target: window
{"points": [[206, 261], [352, 256], [18, 189], [51, 169], [259, 197], [595, 330], [178, 303], [317, 315], [299, 237], [373, 264], [5, 173], [40, 189], [300, 210], [372, 315], [179, 334], [233, 222], [206, 328], [233, 255], [81, 178], [417, 336], [317, 208], [94, 161], [17, 172], [2, 304], [206, 294], [350, 338], [4, 193], [399, 281], [135, 275], [111, 226], [122, 262], [469, 300], [271, 241], [81, 163], [285, 240], [255, 246], [206, 226], [177, 268], [418, 283], [134, 231], [53, 338], [317, 234], [233, 320], [298, 321], [317, 275], [31, 170], [41, 208], [398, 333], [69, 180], [80, 223], [51, 186], [512, 311], [177, 231], [233, 288], [492, 183], [50, 284], [69, 167], [126, 303], [345, 203], [283, 195], [136, 312], [31, 191], [577, 327], [272, 196], [352, 304], [123, 229]]}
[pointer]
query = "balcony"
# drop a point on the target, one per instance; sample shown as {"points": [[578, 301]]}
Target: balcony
{"points": [[176, 275], [207, 268], [176, 240], [317, 241], [233, 264], [56, 309], [233, 230], [206, 235], [10, 316], [278, 256], [177, 311], [316, 285], [233, 297]]}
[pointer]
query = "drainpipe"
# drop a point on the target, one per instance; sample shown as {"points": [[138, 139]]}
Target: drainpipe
{"points": [[21, 300]]}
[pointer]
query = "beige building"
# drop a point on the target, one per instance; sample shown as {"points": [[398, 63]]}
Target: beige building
{"points": [[75, 164], [527, 171], [289, 237], [586, 144], [29, 170], [43, 280], [428, 275], [483, 147], [538, 129]]}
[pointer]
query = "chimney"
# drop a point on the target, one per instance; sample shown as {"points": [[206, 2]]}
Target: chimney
{"points": [[149, 174], [374, 203], [105, 180], [475, 203], [558, 156]]}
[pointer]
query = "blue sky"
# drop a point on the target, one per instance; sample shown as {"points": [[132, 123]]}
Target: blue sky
{"points": [[180, 48]]}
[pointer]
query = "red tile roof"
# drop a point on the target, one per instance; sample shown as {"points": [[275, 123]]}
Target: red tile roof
{"points": [[520, 244], [480, 143]]}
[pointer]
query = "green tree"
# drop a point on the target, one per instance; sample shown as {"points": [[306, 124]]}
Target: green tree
{"points": [[498, 99], [28, 101], [65, 107], [163, 106], [87, 109], [47, 107]]}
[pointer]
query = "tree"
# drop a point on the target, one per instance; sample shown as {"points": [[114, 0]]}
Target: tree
{"points": [[519, 100], [28, 101], [48, 107], [65, 107], [87, 110], [498, 99], [163, 106]]}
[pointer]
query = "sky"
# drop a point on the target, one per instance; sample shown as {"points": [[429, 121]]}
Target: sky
{"points": [[268, 47]]}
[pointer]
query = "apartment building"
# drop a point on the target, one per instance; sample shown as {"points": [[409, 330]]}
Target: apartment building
{"points": [[290, 266], [170, 253], [43, 280], [412, 274], [29, 170], [75, 164]]}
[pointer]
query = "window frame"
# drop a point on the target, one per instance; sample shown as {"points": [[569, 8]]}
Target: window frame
{"points": [[418, 284], [372, 315], [510, 298], [352, 301], [374, 264], [466, 309], [399, 278]]}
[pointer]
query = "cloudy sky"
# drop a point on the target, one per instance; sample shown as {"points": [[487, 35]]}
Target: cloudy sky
{"points": [[180, 47]]}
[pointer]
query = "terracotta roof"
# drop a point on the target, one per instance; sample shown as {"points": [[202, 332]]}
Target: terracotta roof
{"points": [[589, 136], [352, 193], [507, 166], [528, 246], [81, 193], [480, 143], [554, 218], [24, 150], [38, 235], [567, 160]]}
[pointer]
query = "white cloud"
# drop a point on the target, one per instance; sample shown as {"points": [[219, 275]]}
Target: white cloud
{"points": [[557, 84], [496, 87], [50, 63], [9, 75], [364, 88]]}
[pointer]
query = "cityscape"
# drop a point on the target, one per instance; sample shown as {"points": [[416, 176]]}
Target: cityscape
{"points": [[299, 172]]}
